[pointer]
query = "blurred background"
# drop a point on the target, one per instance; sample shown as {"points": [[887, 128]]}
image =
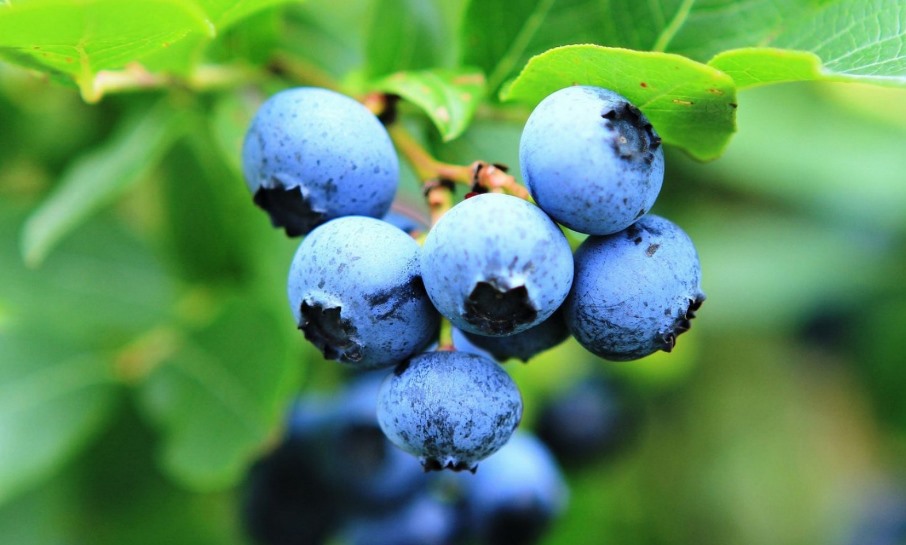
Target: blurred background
{"points": [[148, 358]]}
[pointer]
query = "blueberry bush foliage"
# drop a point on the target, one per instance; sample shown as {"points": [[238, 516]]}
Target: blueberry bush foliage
{"points": [[146, 352]]}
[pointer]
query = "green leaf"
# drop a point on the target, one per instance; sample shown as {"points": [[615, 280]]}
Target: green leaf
{"points": [[53, 398], [691, 105], [849, 40], [97, 292], [207, 222], [854, 38], [38, 516], [100, 176], [158, 510], [219, 396], [448, 97], [329, 35], [491, 140], [501, 35], [751, 67], [404, 35], [225, 13], [79, 39], [59, 326]]}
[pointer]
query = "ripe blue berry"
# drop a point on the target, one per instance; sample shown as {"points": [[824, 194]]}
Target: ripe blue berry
{"points": [[589, 420], [366, 470], [634, 291], [496, 265], [311, 155], [425, 520], [355, 291], [517, 493], [523, 345], [591, 160], [451, 409], [285, 499]]}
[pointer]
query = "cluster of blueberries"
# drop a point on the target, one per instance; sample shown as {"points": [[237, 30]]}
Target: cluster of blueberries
{"points": [[335, 478], [496, 267]]}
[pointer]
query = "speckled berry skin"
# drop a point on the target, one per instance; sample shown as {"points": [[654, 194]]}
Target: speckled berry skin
{"points": [[451, 409], [311, 155], [355, 292], [591, 160], [496, 265], [634, 291]]}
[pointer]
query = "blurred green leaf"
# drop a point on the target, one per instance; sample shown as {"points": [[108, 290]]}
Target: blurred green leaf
{"points": [[53, 398], [157, 511], [207, 214], [763, 446], [100, 290], [691, 105], [225, 13], [218, 396], [403, 35], [492, 140], [59, 328], [100, 176], [328, 34], [499, 36], [39, 516], [766, 271], [849, 172], [79, 39], [448, 97], [880, 345], [252, 41], [230, 119]]}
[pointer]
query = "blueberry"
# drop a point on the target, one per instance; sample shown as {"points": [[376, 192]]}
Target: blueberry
{"points": [[311, 155], [355, 291], [881, 516], [591, 160], [516, 494], [285, 500], [408, 221], [496, 265], [451, 409], [365, 469], [524, 345], [589, 420], [634, 291], [425, 520]]}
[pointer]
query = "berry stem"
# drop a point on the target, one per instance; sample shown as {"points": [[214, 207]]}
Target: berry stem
{"points": [[439, 196], [135, 77], [480, 176], [445, 338], [426, 167]]}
